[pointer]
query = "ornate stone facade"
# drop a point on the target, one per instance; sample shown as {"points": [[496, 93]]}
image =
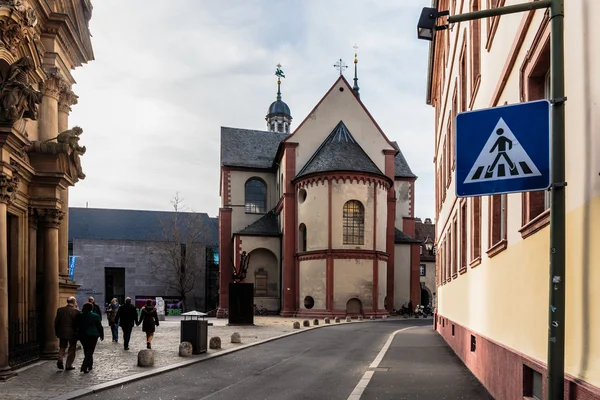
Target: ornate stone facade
{"points": [[40, 43]]}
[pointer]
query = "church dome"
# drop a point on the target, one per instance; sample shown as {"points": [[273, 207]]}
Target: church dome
{"points": [[279, 107]]}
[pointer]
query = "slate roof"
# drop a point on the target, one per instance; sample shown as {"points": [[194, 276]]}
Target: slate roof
{"points": [[137, 225], [265, 226], [249, 148], [422, 231], [279, 107], [401, 168], [401, 237], [339, 152]]}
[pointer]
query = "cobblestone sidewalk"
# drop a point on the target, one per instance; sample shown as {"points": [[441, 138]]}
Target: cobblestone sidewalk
{"points": [[43, 380]]}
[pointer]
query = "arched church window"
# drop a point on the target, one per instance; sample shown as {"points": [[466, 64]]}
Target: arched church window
{"points": [[354, 222], [256, 196], [302, 237]]}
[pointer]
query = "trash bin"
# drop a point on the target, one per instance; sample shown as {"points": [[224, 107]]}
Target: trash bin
{"points": [[195, 331]]}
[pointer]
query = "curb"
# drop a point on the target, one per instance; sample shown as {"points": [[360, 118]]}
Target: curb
{"points": [[147, 374]]}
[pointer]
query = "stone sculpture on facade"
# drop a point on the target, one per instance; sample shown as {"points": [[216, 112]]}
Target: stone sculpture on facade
{"points": [[71, 138], [19, 98]]}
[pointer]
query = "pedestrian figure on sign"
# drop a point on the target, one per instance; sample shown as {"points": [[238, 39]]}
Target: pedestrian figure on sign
{"points": [[128, 316], [65, 329], [96, 307], [89, 329], [111, 314], [410, 308], [149, 322], [501, 143]]}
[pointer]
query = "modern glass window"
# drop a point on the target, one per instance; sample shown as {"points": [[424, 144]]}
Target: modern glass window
{"points": [[256, 196], [354, 223]]}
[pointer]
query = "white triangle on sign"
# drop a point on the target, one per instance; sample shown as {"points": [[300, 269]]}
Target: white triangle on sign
{"points": [[501, 158]]}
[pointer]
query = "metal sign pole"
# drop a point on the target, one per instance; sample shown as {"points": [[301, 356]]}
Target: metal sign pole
{"points": [[556, 334]]}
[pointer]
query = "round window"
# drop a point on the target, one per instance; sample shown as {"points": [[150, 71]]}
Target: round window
{"points": [[301, 196], [309, 302]]}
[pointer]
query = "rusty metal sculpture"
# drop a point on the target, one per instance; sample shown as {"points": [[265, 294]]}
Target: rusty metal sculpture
{"points": [[239, 274]]}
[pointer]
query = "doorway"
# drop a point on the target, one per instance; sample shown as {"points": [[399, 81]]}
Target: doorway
{"points": [[114, 279], [424, 297], [354, 307]]}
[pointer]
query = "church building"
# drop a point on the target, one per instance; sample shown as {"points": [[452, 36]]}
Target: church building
{"points": [[325, 212]]}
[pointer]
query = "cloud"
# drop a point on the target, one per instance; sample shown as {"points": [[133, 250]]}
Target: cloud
{"points": [[166, 78]]}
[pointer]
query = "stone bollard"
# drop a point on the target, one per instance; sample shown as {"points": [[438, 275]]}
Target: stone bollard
{"points": [[146, 358], [296, 325], [337, 320], [236, 338], [384, 317], [372, 318], [215, 343], [360, 318], [348, 319], [315, 322], [306, 322], [327, 321], [185, 349]]}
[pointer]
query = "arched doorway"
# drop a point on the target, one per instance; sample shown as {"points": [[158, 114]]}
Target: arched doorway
{"points": [[425, 298], [354, 307]]}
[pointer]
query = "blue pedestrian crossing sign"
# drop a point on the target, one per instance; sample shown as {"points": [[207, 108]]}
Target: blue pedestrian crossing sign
{"points": [[503, 149]]}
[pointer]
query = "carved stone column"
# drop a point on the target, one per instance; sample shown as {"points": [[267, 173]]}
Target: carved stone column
{"points": [[65, 100], [48, 111], [8, 189], [50, 220]]}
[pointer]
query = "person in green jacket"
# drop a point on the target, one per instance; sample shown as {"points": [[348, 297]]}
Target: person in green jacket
{"points": [[89, 329]]}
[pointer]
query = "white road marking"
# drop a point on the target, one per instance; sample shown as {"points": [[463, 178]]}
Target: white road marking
{"points": [[366, 378]]}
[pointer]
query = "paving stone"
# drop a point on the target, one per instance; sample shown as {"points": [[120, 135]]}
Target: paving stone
{"points": [[42, 380]]}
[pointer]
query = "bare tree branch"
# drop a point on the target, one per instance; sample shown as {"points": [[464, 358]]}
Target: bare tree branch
{"points": [[178, 253]]}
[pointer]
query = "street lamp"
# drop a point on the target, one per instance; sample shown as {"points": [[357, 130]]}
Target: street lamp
{"points": [[557, 279], [426, 25], [428, 244]]}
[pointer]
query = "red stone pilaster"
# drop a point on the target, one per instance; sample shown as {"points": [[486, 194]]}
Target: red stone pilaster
{"points": [[289, 232], [408, 227], [391, 216], [225, 257]]}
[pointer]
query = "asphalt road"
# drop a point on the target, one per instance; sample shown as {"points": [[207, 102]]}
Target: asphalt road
{"points": [[325, 363]]}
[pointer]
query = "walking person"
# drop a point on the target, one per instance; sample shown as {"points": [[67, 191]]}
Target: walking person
{"points": [[96, 307], [65, 330], [149, 322], [127, 315], [111, 314], [410, 308], [89, 329]]}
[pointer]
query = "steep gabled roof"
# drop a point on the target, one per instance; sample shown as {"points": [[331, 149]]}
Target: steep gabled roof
{"points": [[339, 152], [265, 226], [343, 79], [401, 167], [249, 148]]}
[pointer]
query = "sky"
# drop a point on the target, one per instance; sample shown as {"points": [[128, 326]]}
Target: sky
{"points": [[168, 75]]}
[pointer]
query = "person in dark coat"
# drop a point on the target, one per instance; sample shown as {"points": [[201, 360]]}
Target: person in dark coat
{"points": [[89, 329], [410, 308], [149, 321], [128, 317], [65, 330], [96, 307]]}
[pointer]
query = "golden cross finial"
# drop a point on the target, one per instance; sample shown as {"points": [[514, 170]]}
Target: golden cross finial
{"points": [[355, 47]]}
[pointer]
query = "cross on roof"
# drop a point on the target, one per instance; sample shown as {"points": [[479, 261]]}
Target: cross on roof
{"points": [[340, 65]]}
